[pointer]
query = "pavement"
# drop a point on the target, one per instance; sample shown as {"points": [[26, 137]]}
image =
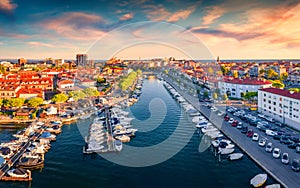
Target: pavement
{"points": [[282, 173]]}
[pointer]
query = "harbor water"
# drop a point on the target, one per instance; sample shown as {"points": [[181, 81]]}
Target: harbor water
{"points": [[66, 166]]}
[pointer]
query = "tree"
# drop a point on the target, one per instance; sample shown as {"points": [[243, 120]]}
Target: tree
{"points": [[76, 95], [225, 97], [59, 98], [15, 102], [91, 92], [278, 84], [139, 72], [101, 80], [295, 89], [284, 75], [272, 74], [250, 95], [2, 69], [224, 70], [1, 102], [235, 74], [35, 102], [205, 94], [215, 96]]}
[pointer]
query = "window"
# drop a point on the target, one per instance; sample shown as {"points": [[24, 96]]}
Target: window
{"points": [[232, 89], [275, 109], [274, 103], [264, 100], [280, 99], [269, 102], [269, 107], [265, 94]]}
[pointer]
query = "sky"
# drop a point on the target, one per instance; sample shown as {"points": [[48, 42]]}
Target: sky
{"points": [[231, 29]]}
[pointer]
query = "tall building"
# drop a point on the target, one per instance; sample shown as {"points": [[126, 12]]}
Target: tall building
{"points": [[282, 105], [81, 60], [22, 61]]}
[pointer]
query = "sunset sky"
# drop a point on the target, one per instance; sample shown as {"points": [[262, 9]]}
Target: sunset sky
{"points": [[233, 29]]}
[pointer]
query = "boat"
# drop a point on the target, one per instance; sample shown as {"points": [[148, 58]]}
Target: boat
{"points": [[18, 173], [30, 163], [208, 129], [225, 145], [225, 151], [123, 138], [276, 185], [235, 156], [215, 143], [118, 145], [258, 180]]}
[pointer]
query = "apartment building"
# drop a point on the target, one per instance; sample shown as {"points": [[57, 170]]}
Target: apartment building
{"points": [[282, 105]]}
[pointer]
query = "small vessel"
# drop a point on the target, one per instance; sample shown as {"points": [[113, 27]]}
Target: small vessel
{"points": [[18, 173], [123, 138], [225, 151], [235, 156], [258, 180], [276, 185], [30, 163], [208, 129], [118, 145]]}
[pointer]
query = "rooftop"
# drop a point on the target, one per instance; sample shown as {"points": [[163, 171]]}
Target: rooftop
{"points": [[246, 81], [286, 93]]}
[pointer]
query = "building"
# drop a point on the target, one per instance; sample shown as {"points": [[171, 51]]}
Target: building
{"points": [[65, 84], [22, 61], [81, 60], [294, 77], [282, 105], [236, 87]]}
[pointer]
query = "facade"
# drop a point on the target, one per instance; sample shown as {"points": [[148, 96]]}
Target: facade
{"points": [[236, 87], [81, 60], [282, 105], [294, 78], [66, 84]]}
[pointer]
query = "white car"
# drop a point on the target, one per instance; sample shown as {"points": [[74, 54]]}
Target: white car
{"points": [[262, 116], [240, 125], [255, 137], [269, 147], [270, 132], [285, 158], [262, 142], [231, 120], [276, 153]]}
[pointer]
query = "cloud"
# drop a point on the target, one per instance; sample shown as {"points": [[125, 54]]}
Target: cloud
{"points": [[7, 5], [160, 13], [11, 34], [127, 16], [214, 13], [76, 25], [181, 14], [40, 44]]}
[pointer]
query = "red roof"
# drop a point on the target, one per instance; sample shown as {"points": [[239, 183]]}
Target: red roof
{"points": [[247, 81], [286, 93], [66, 82]]}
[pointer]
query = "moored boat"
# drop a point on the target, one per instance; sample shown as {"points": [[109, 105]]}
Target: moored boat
{"points": [[18, 173], [259, 180], [225, 151], [118, 145], [235, 156]]}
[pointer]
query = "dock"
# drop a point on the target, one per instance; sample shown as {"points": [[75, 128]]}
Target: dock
{"points": [[281, 173]]}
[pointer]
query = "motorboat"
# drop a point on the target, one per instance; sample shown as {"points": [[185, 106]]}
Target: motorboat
{"points": [[123, 138], [208, 129], [259, 180], [225, 151], [226, 145], [94, 147], [48, 136], [18, 173], [235, 156], [276, 185], [30, 163], [6, 152], [55, 129], [118, 145]]}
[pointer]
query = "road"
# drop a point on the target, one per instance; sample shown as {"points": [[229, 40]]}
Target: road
{"points": [[274, 167]]}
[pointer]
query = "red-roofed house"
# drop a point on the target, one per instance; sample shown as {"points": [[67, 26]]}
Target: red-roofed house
{"points": [[30, 93], [65, 84], [234, 87], [282, 105]]}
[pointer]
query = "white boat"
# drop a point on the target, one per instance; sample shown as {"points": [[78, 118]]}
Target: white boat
{"points": [[118, 145], [276, 185], [123, 138], [258, 180], [18, 173], [208, 129], [235, 156], [225, 151], [215, 143]]}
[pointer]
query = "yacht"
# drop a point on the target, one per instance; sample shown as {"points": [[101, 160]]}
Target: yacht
{"points": [[18, 173], [259, 180], [118, 145], [235, 156]]}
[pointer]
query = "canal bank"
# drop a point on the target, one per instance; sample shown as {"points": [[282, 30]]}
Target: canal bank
{"points": [[282, 173]]}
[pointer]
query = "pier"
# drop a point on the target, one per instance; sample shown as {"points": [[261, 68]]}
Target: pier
{"points": [[281, 173]]}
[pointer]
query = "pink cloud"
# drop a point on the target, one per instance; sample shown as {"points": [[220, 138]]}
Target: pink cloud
{"points": [[213, 14], [40, 44], [127, 16], [181, 14], [7, 5], [76, 25]]}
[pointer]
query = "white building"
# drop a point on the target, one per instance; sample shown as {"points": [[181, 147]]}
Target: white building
{"points": [[234, 87], [282, 105]]}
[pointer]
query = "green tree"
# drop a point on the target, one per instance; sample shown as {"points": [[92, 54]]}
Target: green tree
{"points": [[2, 69], [91, 92], [101, 80], [205, 94], [224, 70], [15, 102], [250, 95], [35, 102], [76, 95], [278, 84], [284, 75], [126, 82], [225, 97], [295, 89], [272, 74], [1, 102], [59, 98], [215, 96], [139, 72]]}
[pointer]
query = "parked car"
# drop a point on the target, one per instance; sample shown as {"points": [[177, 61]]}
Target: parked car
{"points": [[261, 116], [279, 124], [226, 118], [285, 158], [262, 128], [270, 119], [262, 142], [231, 120], [276, 137], [269, 147], [250, 133], [270, 132], [255, 137], [285, 140], [295, 165], [234, 123], [295, 139], [244, 129], [298, 149], [276, 152], [293, 145], [239, 125]]}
